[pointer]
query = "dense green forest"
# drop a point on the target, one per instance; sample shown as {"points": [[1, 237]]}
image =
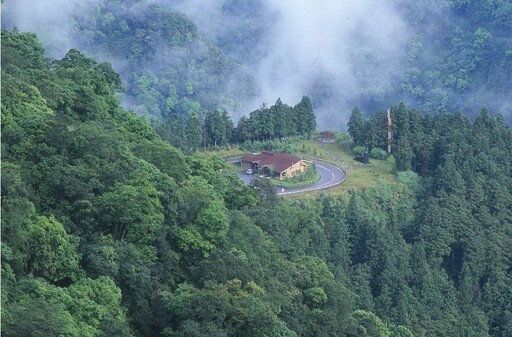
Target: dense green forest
{"points": [[460, 56], [109, 230], [266, 123]]}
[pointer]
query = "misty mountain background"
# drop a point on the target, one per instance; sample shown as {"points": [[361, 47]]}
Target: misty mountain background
{"points": [[184, 56]]}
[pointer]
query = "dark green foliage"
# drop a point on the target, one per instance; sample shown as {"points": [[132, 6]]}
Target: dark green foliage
{"points": [[284, 123], [194, 133], [277, 122], [358, 127], [218, 128], [304, 117], [453, 227], [107, 230], [266, 191], [403, 154]]}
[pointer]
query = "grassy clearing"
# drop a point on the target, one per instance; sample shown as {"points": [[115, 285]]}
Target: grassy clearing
{"points": [[359, 175]]}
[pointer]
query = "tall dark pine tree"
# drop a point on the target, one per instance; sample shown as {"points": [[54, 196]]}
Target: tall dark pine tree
{"points": [[172, 130], [258, 123], [215, 128], [403, 154], [377, 130], [357, 125], [228, 125], [284, 125], [243, 129], [400, 122], [268, 123], [194, 132], [305, 117]]}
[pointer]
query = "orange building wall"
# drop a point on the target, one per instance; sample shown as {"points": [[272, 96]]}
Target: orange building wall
{"points": [[297, 167]]}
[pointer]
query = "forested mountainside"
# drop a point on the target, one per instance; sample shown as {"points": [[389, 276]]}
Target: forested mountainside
{"points": [[460, 56], [456, 55], [168, 68], [438, 56], [107, 230]]}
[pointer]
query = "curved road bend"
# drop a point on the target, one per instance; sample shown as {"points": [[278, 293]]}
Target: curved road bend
{"points": [[330, 176]]}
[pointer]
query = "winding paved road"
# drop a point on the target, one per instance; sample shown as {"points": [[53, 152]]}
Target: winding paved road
{"points": [[330, 176]]}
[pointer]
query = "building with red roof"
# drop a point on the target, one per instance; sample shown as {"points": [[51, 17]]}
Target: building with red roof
{"points": [[271, 163], [327, 137]]}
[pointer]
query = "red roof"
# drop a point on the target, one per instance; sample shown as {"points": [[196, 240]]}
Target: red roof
{"points": [[328, 134], [277, 161]]}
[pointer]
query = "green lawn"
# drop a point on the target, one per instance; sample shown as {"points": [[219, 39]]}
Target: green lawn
{"points": [[359, 175], [296, 182]]}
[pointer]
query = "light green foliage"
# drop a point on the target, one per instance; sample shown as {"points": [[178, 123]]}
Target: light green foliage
{"points": [[166, 158], [87, 308], [213, 221], [448, 80], [235, 193], [312, 272], [135, 127], [238, 195], [378, 154], [204, 223], [251, 248], [400, 331], [130, 212], [220, 308], [98, 304], [88, 87], [358, 150], [145, 89], [25, 115], [37, 317], [51, 251], [369, 325], [18, 213], [315, 296]]}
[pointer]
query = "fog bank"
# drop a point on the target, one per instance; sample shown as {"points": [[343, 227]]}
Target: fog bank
{"points": [[334, 51]]}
